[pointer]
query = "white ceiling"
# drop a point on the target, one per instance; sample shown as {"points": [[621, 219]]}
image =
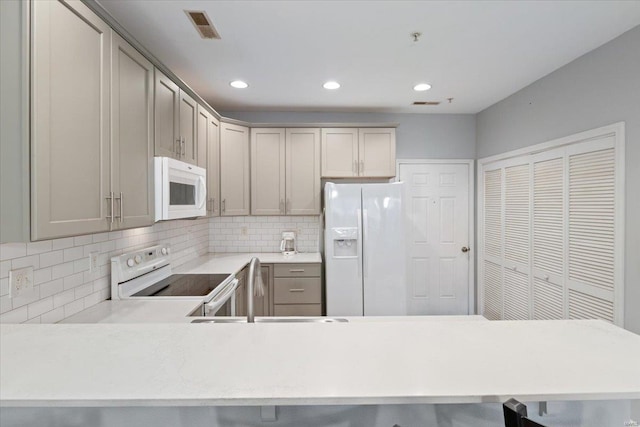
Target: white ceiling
{"points": [[477, 52]]}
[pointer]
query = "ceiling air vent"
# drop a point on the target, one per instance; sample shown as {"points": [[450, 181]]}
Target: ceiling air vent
{"points": [[426, 103], [203, 24]]}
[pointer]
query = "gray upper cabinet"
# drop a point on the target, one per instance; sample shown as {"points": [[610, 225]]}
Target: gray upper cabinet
{"points": [[131, 135], [188, 120], [176, 117], [69, 120], [234, 169], [213, 166], [167, 116]]}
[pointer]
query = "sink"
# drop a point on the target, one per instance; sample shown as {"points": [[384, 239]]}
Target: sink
{"points": [[275, 320]]}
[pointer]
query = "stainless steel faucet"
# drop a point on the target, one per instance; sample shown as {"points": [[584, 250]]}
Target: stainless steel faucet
{"points": [[252, 289]]}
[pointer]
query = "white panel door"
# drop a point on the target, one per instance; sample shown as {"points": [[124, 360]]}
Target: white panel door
{"points": [[383, 250], [437, 211], [267, 171]]}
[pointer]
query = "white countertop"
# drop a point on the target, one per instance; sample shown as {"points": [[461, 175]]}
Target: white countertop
{"points": [[369, 362], [231, 263]]}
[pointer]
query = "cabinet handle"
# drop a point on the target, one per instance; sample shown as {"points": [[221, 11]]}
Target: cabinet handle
{"points": [[224, 205], [121, 207], [110, 199], [184, 147], [361, 166], [176, 147], [296, 290], [301, 270]]}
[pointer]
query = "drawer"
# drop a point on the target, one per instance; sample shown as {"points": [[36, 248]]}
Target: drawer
{"points": [[297, 290], [298, 310], [296, 270]]}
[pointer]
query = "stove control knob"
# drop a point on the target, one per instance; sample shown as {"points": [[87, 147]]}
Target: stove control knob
{"points": [[168, 251], [130, 262], [138, 259], [164, 251]]}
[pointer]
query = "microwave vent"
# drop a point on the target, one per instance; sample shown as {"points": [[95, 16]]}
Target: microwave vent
{"points": [[203, 24]]}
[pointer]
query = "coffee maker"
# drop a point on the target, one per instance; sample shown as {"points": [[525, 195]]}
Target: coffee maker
{"points": [[288, 243]]}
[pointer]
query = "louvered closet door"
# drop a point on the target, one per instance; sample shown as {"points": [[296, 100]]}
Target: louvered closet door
{"points": [[517, 195], [492, 263], [591, 242], [548, 235]]}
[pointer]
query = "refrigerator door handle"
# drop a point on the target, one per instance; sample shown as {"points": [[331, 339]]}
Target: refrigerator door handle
{"points": [[359, 243], [365, 227]]}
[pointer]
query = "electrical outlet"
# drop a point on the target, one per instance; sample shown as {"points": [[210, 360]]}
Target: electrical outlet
{"points": [[21, 281], [244, 231], [93, 261]]}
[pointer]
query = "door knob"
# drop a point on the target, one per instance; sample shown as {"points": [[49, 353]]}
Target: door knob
{"points": [[465, 249]]}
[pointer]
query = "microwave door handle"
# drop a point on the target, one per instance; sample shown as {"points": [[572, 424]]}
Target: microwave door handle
{"points": [[203, 192]]}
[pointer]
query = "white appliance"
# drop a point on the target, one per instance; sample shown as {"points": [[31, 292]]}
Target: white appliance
{"points": [[288, 243], [146, 274], [181, 190], [365, 262]]}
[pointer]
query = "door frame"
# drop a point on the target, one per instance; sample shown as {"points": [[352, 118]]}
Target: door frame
{"points": [[472, 306]]}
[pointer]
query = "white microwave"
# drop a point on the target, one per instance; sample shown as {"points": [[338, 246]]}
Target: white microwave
{"points": [[181, 190]]}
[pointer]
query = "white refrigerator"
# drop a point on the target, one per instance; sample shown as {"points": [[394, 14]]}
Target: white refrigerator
{"points": [[365, 264]]}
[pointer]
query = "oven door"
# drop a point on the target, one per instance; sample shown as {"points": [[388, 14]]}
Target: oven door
{"points": [[181, 190], [223, 302]]}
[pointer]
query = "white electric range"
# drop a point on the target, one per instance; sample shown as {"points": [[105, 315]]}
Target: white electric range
{"points": [[146, 274]]}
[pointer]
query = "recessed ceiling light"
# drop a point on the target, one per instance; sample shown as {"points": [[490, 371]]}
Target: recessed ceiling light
{"points": [[331, 85], [422, 87], [239, 84]]}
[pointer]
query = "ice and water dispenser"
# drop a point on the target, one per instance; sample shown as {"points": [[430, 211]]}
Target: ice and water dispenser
{"points": [[345, 242]]}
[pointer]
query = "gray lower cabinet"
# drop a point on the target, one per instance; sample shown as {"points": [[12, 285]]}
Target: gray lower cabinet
{"points": [[297, 290], [92, 125]]}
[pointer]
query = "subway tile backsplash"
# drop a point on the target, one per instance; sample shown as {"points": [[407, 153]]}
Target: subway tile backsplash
{"points": [[63, 284], [262, 233]]}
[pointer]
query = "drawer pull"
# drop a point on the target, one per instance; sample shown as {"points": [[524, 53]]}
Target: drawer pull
{"points": [[301, 270], [296, 290]]}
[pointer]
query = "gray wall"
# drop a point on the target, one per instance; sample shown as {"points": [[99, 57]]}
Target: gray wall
{"points": [[599, 88], [419, 136]]}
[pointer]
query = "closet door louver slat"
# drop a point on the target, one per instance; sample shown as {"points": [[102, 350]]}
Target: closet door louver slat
{"points": [[548, 301], [516, 295], [591, 234], [516, 214], [493, 213], [492, 309]]}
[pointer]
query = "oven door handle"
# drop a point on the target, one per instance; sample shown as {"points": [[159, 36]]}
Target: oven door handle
{"points": [[221, 298]]}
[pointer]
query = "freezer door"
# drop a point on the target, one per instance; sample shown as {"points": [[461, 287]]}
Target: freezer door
{"points": [[343, 249], [384, 262]]}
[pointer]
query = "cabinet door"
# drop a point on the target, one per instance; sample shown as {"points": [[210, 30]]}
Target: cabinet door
{"points": [[188, 119], [202, 136], [303, 172], [70, 120], [213, 166], [167, 110], [377, 152], [267, 171], [339, 153], [234, 169], [131, 135]]}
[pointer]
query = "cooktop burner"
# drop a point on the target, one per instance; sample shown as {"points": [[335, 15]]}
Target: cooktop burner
{"points": [[183, 285]]}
